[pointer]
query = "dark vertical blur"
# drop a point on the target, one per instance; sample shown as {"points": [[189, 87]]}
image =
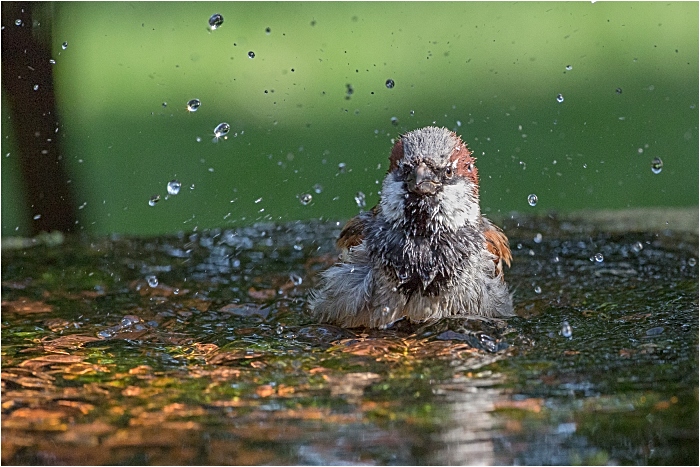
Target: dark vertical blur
{"points": [[27, 79]]}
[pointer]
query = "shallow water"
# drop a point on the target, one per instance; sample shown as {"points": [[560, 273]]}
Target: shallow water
{"points": [[220, 362]]}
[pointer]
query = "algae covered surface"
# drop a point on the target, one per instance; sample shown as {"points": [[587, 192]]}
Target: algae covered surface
{"points": [[200, 349]]}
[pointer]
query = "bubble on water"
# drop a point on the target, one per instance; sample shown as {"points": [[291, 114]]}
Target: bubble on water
{"points": [[152, 280], [251, 54], [637, 247], [193, 105], [532, 199], [618, 90], [560, 98], [692, 262], [569, 68], [215, 21], [174, 187], [268, 30], [296, 279], [394, 121], [221, 131], [342, 167], [305, 199], [360, 200], [318, 188], [598, 258], [566, 330], [129, 320], [390, 83], [164, 104], [64, 46], [18, 22], [153, 200], [538, 238], [106, 334], [538, 289], [656, 165]]}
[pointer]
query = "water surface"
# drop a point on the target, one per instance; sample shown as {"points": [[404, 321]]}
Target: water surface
{"points": [[199, 349]]}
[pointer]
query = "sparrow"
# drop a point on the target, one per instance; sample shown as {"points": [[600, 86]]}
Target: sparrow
{"points": [[424, 252]]}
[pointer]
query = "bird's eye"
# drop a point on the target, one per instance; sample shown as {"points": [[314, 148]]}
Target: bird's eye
{"points": [[448, 172], [470, 167]]}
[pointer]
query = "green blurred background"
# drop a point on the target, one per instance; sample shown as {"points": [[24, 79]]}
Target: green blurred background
{"points": [[628, 73]]}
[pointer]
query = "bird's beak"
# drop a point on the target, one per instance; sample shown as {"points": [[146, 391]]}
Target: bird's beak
{"points": [[423, 181]]}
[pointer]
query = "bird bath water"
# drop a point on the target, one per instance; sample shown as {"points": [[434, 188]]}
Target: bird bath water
{"points": [[199, 349]]}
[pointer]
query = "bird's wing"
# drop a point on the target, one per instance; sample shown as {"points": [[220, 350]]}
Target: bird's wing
{"points": [[354, 231], [497, 244]]}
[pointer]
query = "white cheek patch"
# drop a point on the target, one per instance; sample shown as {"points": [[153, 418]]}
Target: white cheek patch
{"points": [[392, 201], [459, 207]]}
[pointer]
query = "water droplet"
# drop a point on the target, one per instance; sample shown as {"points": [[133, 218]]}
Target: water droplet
{"points": [[390, 83], [268, 31], [538, 238], [532, 199], [598, 257], [152, 281], [318, 188], [18, 22], [220, 131], [164, 104], [560, 98], [36, 87], [37, 217], [656, 165], [538, 289], [296, 279], [64, 46], [280, 329], [174, 187], [154, 199], [566, 330], [569, 68], [305, 199], [258, 200], [618, 90], [394, 121], [692, 262], [386, 310], [251, 54], [193, 105], [360, 200], [52, 61], [215, 21], [342, 167], [637, 247]]}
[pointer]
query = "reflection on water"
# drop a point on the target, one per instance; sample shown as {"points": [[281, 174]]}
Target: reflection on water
{"points": [[200, 349]]}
